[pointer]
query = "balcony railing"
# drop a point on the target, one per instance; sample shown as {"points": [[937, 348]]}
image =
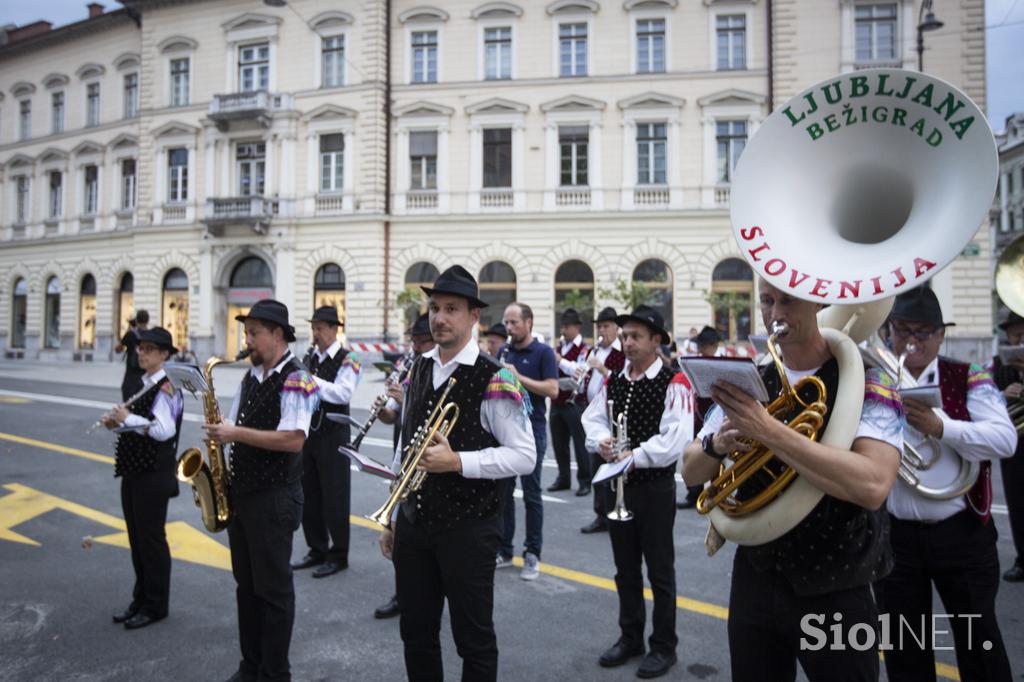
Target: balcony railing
{"points": [[125, 217], [330, 204], [175, 213], [496, 198], [421, 200], [254, 211], [246, 106], [87, 224], [722, 195], [650, 197], [572, 197]]}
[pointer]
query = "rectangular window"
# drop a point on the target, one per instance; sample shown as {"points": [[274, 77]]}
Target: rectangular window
{"points": [[57, 112], [92, 104], [254, 67], [179, 82], [732, 41], [573, 143], [56, 205], [498, 157], [876, 32], [332, 162], [177, 174], [333, 61], [131, 95], [731, 137], [128, 184], [650, 46], [498, 53], [651, 144], [92, 190], [24, 119], [423, 159], [21, 203], [251, 159], [572, 50], [424, 56]]}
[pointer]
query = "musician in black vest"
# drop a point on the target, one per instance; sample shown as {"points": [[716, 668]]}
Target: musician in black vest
{"points": [[128, 344], [949, 542], [657, 403], [145, 460], [446, 534], [326, 473], [495, 338], [267, 425], [707, 347], [1009, 378], [826, 563], [565, 411]]}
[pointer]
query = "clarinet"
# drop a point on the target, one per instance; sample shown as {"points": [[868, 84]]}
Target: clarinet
{"points": [[504, 350], [399, 376], [580, 383]]}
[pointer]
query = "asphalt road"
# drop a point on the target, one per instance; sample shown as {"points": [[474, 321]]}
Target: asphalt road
{"points": [[57, 595]]}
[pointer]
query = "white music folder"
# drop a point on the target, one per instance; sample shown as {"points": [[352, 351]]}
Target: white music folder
{"points": [[187, 377], [368, 465], [610, 470]]}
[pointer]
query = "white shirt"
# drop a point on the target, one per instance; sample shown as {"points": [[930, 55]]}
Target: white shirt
{"points": [[166, 410], [516, 453], [569, 366], [601, 353], [339, 391], [674, 432], [295, 414], [989, 435]]}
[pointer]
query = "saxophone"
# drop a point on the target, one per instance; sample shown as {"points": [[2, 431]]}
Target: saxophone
{"points": [[209, 481]]}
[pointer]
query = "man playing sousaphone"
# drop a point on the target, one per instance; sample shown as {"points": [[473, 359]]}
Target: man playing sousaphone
{"points": [[826, 564]]}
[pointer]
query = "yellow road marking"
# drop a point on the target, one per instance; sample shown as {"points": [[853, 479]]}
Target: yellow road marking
{"points": [[12, 400], [56, 448]]}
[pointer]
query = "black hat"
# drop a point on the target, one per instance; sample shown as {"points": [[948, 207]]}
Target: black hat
{"points": [[457, 282], [919, 305], [141, 316], [607, 315], [1011, 320], [326, 313], [159, 337], [269, 310], [421, 327], [707, 336], [497, 329], [648, 316], [570, 316]]}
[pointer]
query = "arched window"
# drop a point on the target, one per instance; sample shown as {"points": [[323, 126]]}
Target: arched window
{"points": [[51, 314], [732, 299], [574, 288], [497, 290], [252, 272], [174, 308], [656, 277], [87, 313], [329, 288], [19, 313], [251, 280], [125, 301], [412, 299]]}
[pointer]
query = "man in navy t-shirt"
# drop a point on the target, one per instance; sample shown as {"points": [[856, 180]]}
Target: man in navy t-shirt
{"points": [[535, 366]]}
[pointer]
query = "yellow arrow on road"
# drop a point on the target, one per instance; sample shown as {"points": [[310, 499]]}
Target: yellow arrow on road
{"points": [[24, 504]]}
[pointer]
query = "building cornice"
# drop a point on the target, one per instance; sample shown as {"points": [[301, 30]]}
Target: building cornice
{"points": [[60, 36]]}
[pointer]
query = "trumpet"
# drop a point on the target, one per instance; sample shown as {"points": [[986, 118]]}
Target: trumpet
{"points": [[442, 420], [135, 396], [620, 436], [579, 375]]}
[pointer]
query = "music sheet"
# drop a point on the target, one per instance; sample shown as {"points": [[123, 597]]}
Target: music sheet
{"points": [[367, 465], [610, 470], [741, 372]]}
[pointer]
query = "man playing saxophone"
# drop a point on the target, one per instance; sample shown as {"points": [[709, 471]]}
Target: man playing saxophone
{"points": [[1009, 378], [824, 565], [655, 406], [144, 460], [267, 425], [446, 536]]}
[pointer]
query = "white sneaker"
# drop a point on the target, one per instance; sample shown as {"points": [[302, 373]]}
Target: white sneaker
{"points": [[502, 561], [531, 567]]}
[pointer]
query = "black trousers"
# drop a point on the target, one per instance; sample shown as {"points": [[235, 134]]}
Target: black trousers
{"points": [[566, 423], [647, 538], [959, 556], [1013, 488], [457, 565], [604, 495], [765, 629], [326, 487], [144, 500], [260, 535]]}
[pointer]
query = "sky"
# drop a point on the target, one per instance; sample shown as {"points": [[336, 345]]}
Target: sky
{"points": [[1004, 21]]}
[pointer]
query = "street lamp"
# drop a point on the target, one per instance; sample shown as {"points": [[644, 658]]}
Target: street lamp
{"points": [[926, 21]]}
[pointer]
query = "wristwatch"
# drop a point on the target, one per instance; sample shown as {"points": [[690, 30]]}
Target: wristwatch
{"points": [[708, 443]]}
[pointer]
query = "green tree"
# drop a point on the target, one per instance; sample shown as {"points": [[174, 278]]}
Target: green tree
{"points": [[628, 294], [410, 300], [582, 302]]}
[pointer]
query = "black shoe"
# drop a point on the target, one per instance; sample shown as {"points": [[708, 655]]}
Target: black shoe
{"points": [[308, 561], [584, 490], [128, 613], [559, 484], [655, 665], [389, 610], [329, 568], [141, 620], [1015, 573], [598, 525], [620, 652]]}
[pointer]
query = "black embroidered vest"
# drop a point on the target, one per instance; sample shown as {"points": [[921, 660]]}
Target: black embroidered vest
{"points": [[254, 468], [449, 500], [838, 545], [643, 401], [328, 371], [136, 453]]}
